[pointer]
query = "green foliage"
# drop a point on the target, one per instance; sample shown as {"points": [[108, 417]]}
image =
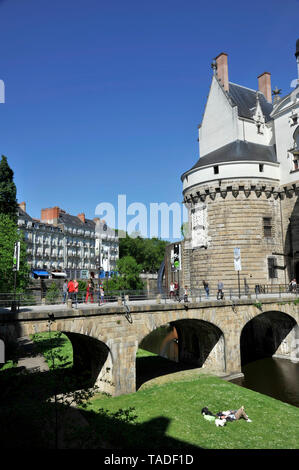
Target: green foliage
{"points": [[296, 302], [8, 236], [53, 293], [82, 285], [258, 305], [128, 278], [169, 415], [147, 252], [8, 191]]}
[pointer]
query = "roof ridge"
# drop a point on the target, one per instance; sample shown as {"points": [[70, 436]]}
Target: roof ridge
{"points": [[247, 88]]}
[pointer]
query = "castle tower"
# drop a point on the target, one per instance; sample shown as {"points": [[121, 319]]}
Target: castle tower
{"points": [[236, 193]]}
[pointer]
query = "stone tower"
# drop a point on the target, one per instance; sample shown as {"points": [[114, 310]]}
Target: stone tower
{"points": [[243, 190]]}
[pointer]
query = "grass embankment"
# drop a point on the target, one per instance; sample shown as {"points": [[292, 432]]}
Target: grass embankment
{"points": [[55, 347], [168, 411], [174, 409]]}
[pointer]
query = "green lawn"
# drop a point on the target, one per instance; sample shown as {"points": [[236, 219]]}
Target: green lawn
{"points": [[175, 410], [169, 413], [55, 346]]}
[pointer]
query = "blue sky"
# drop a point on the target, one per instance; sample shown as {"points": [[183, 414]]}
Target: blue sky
{"points": [[104, 98]]}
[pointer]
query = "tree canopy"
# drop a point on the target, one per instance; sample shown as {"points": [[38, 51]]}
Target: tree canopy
{"points": [[129, 272], [8, 236], [8, 191], [147, 252]]}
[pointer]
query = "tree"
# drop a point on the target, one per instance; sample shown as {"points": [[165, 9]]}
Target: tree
{"points": [[147, 252], [8, 236], [129, 272], [8, 191]]}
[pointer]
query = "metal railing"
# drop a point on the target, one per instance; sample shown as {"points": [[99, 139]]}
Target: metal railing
{"points": [[13, 301]]}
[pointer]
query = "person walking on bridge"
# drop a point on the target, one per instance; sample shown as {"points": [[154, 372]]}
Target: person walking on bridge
{"points": [[76, 288], [71, 289], [220, 294]]}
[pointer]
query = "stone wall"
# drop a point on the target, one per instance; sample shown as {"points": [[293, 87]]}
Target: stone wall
{"points": [[209, 334], [235, 213]]}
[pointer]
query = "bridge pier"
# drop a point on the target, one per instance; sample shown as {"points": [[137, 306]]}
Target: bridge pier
{"points": [[124, 368]]}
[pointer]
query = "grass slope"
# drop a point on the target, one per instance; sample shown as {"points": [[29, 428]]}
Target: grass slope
{"points": [[169, 413], [275, 425]]}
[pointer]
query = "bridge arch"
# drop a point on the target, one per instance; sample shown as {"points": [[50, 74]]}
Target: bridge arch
{"points": [[200, 343], [270, 333]]}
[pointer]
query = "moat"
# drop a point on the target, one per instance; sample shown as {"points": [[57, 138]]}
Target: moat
{"points": [[275, 377]]}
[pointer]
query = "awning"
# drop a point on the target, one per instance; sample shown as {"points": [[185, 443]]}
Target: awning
{"points": [[58, 274], [40, 273]]}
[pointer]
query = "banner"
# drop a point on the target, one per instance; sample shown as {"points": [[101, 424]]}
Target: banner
{"points": [[237, 259], [16, 257]]}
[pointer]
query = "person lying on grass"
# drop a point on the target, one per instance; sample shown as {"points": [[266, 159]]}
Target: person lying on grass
{"points": [[223, 416]]}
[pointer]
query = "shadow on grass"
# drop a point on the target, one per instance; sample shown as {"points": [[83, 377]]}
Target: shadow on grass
{"points": [[31, 425], [150, 367]]}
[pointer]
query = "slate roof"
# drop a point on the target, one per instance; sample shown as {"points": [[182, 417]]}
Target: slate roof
{"points": [[72, 220], [245, 99], [24, 214], [239, 150]]}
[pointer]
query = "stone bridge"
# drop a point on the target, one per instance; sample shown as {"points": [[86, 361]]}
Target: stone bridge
{"points": [[219, 336]]}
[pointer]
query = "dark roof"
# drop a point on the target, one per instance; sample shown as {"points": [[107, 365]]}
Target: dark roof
{"points": [[24, 214], [239, 150], [71, 220], [245, 99]]}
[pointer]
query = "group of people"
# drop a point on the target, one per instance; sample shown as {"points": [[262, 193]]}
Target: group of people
{"points": [[174, 292], [223, 417], [71, 289], [220, 294]]}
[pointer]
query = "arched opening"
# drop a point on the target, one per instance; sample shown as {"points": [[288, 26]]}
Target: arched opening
{"points": [[265, 335], [92, 361], [180, 345]]}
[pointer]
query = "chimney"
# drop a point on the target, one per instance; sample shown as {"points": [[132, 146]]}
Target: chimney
{"points": [[264, 81], [222, 70], [22, 205], [48, 215], [81, 217]]}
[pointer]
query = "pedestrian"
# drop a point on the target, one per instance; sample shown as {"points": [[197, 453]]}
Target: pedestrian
{"points": [[71, 289], [102, 294], [171, 290], [293, 285], [64, 291], [206, 288], [89, 292], [220, 294], [177, 291], [76, 289], [186, 294]]}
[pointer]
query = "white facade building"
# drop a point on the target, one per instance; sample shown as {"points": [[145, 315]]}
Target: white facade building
{"points": [[67, 243], [243, 191]]}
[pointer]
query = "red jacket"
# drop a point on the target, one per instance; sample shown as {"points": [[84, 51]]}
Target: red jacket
{"points": [[71, 287]]}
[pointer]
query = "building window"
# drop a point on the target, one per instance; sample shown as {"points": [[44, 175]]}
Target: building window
{"points": [[261, 167], [216, 170], [295, 162], [267, 222], [272, 272]]}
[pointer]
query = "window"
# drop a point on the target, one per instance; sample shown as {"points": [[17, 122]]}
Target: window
{"points": [[295, 162], [261, 167], [216, 170], [267, 222], [272, 272]]}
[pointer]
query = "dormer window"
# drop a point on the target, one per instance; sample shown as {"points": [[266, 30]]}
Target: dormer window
{"points": [[293, 119]]}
